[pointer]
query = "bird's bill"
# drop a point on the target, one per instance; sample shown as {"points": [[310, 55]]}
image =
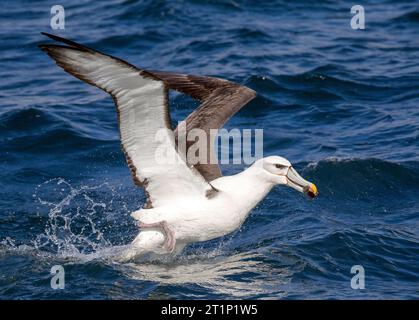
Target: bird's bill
{"points": [[294, 180]]}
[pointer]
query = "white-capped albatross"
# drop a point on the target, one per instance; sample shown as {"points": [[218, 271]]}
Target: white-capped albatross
{"points": [[185, 203]]}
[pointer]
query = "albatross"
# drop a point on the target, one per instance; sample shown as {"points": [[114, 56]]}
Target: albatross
{"points": [[186, 202]]}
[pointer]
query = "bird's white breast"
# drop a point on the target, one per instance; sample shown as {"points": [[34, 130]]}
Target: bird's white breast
{"points": [[200, 219]]}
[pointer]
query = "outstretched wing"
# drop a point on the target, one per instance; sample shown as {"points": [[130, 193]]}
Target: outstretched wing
{"points": [[141, 101], [221, 99]]}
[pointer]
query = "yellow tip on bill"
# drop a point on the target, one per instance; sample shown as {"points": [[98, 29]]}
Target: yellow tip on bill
{"points": [[313, 188]]}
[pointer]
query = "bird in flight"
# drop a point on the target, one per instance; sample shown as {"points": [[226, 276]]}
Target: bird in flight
{"points": [[186, 202]]}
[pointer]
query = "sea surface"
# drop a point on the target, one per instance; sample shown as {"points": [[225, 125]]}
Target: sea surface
{"points": [[341, 104]]}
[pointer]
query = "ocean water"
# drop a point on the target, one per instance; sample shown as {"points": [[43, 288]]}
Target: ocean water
{"points": [[341, 104]]}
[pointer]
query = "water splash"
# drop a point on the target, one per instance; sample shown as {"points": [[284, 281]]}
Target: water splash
{"points": [[75, 222]]}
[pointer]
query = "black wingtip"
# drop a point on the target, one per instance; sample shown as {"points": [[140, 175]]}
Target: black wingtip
{"points": [[54, 37], [43, 46], [66, 41]]}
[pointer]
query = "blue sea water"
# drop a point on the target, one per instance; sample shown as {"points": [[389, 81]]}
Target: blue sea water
{"points": [[341, 104]]}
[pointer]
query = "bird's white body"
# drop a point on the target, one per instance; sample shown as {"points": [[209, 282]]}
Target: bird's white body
{"points": [[195, 220]]}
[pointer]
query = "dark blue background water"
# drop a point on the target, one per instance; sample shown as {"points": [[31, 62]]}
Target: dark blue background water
{"points": [[341, 104]]}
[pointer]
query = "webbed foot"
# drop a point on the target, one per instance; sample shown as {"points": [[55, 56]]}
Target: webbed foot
{"points": [[170, 240]]}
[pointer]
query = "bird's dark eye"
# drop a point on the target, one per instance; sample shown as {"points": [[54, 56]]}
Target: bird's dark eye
{"points": [[280, 166]]}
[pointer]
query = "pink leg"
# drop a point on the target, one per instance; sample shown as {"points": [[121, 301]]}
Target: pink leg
{"points": [[169, 241]]}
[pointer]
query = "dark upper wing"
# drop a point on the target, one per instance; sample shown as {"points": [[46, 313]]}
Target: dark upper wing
{"points": [[221, 99]]}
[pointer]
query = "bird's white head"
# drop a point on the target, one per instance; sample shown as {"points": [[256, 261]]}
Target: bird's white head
{"points": [[279, 170]]}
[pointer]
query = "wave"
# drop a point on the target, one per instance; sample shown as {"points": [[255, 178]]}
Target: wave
{"points": [[410, 17], [365, 178], [359, 243], [334, 85], [34, 130]]}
